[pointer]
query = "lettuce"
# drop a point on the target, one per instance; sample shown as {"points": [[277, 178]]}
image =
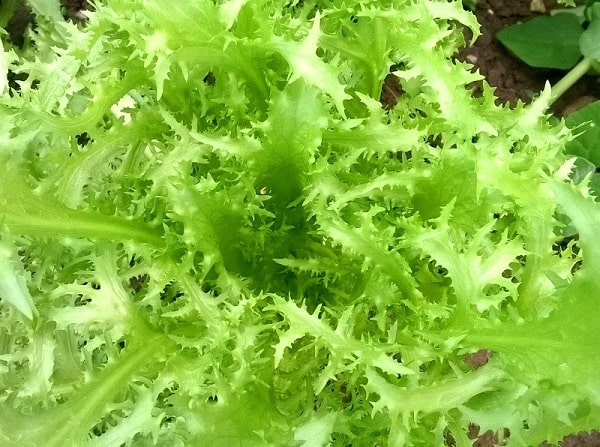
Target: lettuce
{"points": [[213, 234]]}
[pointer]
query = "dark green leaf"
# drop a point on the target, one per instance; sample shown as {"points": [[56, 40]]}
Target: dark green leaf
{"points": [[582, 169], [586, 122], [7, 9], [594, 184], [547, 42]]}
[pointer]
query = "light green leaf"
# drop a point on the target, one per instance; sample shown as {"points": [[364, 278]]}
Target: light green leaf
{"points": [[3, 70], [317, 431], [50, 9], [13, 278], [306, 64], [230, 10]]}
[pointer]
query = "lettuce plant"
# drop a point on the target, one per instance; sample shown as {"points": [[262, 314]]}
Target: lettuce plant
{"points": [[214, 235]]}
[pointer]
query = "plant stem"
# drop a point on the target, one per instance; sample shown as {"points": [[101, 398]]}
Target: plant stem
{"points": [[570, 78]]}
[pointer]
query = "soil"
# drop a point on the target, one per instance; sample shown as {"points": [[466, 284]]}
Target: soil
{"points": [[513, 80]]}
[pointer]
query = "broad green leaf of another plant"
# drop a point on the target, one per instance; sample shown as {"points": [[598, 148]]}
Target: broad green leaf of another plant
{"points": [[592, 11], [545, 42], [589, 41]]}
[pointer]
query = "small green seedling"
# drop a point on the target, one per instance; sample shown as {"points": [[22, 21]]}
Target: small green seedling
{"points": [[566, 40]]}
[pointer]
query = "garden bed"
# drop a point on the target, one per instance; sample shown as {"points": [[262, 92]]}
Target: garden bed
{"points": [[513, 81]]}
